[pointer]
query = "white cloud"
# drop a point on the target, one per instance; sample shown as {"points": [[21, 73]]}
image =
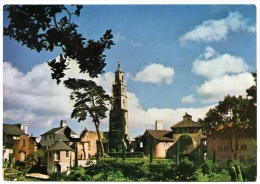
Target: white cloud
{"points": [[140, 120], [219, 65], [216, 89], [36, 99], [209, 52], [135, 44], [217, 30], [188, 99], [118, 38], [155, 73]]}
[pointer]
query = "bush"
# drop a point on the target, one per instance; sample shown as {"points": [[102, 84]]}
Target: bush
{"points": [[56, 176], [186, 169], [208, 167]]}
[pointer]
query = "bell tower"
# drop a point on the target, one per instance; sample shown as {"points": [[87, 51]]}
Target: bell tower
{"points": [[118, 119]]}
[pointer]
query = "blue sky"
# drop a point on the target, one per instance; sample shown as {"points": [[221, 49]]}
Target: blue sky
{"points": [[176, 59]]}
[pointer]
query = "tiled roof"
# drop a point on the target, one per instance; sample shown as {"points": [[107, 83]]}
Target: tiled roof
{"points": [[162, 135], [60, 146], [52, 131], [186, 123], [12, 129]]}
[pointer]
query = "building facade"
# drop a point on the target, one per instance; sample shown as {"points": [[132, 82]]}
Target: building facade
{"points": [[226, 144], [17, 144], [118, 117], [185, 139], [64, 149]]}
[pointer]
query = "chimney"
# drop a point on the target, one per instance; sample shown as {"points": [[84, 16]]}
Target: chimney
{"points": [[24, 128], [63, 123], [158, 125]]}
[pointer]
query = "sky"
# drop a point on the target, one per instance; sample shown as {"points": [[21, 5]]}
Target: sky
{"points": [[176, 58]]}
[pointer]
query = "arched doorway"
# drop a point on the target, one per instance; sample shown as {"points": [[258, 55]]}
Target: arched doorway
{"points": [[81, 155], [22, 156], [57, 168]]}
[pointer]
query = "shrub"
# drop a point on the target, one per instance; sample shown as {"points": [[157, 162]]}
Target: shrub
{"points": [[186, 169]]}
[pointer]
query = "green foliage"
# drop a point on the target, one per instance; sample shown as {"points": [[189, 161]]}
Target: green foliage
{"points": [[119, 170], [185, 169], [209, 167], [213, 176], [186, 138], [78, 174], [56, 176], [116, 176]]}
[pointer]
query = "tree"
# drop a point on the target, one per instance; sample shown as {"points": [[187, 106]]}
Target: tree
{"points": [[37, 155], [252, 106], [90, 99], [230, 113], [151, 154], [37, 27], [186, 168]]}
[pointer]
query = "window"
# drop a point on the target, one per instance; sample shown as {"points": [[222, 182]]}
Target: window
{"points": [[242, 147], [239, 136], [141, 144], [223, 148], [67, 153], [214, 137], [219, 160], [57, 156], [177, 131], [227, 136], [204, 142], [195, 130], [49, 154], [241, 158], [23, 142], [48, 147]]}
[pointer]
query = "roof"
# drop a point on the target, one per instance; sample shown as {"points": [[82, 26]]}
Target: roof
{"points": [[162, 135], [61, 130], [186, 123], [12, 129], [60, 146], [118, 68], [54, 130]]}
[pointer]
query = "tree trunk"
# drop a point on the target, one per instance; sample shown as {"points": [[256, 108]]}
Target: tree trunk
{"points": [[97, 123], [76, 156], [124, 150], [151, 154]]}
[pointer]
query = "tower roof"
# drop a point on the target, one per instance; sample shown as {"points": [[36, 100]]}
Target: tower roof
{"points": [[118, 68]]}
